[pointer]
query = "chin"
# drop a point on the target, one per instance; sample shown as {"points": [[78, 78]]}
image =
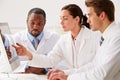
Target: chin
{"points": [[65, 30], [35, 35], [93, 29]]}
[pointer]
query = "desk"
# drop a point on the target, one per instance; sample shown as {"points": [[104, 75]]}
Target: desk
{"points": [[22, 77]]}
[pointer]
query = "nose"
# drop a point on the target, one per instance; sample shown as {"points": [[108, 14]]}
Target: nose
{"points": [[35, 25], [88, 20], [61, 22]]}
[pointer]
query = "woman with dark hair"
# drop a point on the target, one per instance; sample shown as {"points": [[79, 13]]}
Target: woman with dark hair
{"points": [[77, 47]]}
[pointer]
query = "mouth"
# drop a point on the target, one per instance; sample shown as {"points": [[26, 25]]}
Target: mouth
{"points": [[35, 32], [63, 26]]}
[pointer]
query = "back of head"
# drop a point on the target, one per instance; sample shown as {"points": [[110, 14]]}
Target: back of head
{"points": [[37, 11], [102, 5], [75, 11]]}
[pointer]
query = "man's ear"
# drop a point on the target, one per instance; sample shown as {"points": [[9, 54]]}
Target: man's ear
{"points": [[102, 15], [44, 22]]}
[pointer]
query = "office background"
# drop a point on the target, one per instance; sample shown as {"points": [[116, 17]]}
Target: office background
{"points": [[15, 12]]}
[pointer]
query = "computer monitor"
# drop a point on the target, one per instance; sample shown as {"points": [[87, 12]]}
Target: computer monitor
{"points": [[7, 65]]}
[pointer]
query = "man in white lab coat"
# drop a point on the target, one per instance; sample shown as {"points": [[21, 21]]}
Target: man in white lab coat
{"points": [[36, 21]]}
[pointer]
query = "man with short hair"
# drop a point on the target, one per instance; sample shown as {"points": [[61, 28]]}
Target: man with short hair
{"points": [[36, 39]]}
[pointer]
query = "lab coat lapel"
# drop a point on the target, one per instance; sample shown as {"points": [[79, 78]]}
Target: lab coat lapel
{"points": [[27, 43], [85, 37], [69, 54], [45, 37], [42, 42]]}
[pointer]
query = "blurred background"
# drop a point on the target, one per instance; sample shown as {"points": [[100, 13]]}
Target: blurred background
{"points": [[14, 12]]}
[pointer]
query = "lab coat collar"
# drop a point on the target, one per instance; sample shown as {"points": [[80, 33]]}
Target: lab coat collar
{"points": [[110, 30]]}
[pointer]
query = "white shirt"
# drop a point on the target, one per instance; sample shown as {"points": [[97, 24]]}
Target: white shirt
{"points": [[106, 64]]}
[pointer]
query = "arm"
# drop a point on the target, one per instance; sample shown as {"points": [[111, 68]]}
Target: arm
{"points": [[39, 60], [106, 64], [104, 67]]}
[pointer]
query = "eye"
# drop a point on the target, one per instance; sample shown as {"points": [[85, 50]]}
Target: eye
{"points": [[40, 24], [65, 18], [32, 23]]}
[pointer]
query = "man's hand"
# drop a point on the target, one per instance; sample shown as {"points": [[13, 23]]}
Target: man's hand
{"points": [[22, 51], [35, 70]]}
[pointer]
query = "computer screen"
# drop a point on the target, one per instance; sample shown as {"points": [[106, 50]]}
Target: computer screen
{"points": [[5, 28], [7, 65]]}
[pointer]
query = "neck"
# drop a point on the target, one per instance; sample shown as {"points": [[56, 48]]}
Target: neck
{"points": [[105, 26], [75, 32]]}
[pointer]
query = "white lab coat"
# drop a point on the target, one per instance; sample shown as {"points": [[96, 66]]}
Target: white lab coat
{"points": [[106, 64], [46, 44], [88, 42]]}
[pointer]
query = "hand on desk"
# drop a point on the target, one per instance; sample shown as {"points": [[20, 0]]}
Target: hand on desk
{"points": [[56, 74], [35, 70]]}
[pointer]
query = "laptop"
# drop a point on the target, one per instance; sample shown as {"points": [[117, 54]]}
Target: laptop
{"points": [[7, 65], [5, 28]]}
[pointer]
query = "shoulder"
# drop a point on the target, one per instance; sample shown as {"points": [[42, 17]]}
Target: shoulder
{"points": [[65, 37], [20, 34], [50, 33], [89, 33]]}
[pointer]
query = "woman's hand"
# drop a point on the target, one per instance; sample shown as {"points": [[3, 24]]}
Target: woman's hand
{"points": [[56, 74], [22, 51]]}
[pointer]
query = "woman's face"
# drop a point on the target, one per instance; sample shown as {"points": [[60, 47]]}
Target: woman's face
{"points": [[67, 21]]}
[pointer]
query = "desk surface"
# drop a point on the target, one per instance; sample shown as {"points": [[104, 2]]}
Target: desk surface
{"points": [[22, 77]]}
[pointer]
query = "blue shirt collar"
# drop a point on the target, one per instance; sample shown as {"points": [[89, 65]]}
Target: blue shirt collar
{"points": [[31, 38]]}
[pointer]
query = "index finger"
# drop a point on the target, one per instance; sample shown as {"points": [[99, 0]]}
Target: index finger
{"points": [[14, 46], [48, 74]]}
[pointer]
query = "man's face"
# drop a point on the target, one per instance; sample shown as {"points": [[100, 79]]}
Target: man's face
{"points": [[35, 23], [94, 20]]}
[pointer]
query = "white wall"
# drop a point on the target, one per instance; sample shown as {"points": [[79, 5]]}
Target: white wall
{"points": [[15, 11]]}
